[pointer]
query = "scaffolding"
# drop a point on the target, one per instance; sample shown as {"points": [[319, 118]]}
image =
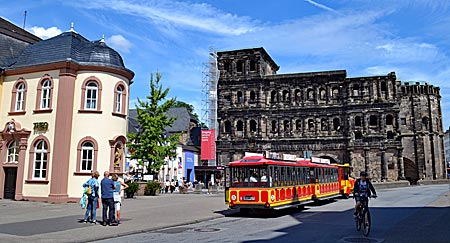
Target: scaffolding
{"points": [[210, 77]]}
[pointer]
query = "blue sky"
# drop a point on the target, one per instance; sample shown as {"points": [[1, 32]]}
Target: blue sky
{"points": [[365, 37]]}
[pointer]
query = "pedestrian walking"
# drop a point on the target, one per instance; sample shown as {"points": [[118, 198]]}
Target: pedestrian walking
{"points": [[120, 186], [172, 186], [107, 186], [92, 187], [166, 186]]}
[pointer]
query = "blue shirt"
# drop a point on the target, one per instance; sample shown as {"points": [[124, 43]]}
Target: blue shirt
{"points": [[93, 183], [107, 188], [117, 184]]}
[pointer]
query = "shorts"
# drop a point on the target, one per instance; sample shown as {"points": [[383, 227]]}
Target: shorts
{"points": [[117, 205], [117, 200]]}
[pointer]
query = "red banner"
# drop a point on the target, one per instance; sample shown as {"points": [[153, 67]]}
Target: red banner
{"points": [[208, 145]]}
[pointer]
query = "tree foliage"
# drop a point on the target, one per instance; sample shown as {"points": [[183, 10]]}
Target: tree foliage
{"points": [[151, 144]]}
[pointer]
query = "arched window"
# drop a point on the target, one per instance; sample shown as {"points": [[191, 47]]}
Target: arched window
{"points": [[13, 153], [239, 66], [389, 120], [358, 121], [425, 122], [311, 125], [358, 135], [40, 160], [274, 126], [324, 125], [227, 127], [91, 99], [227, 67], [252, 96], [285, 96], [87, 156], [383, 86], [336, 124], [298, 125], [253, 126], [20, 97], [310, 94], [298, 95], [240, 128], [91, 96], [286, 126], [323, 94], [335, 92], [355, 90], [373, 120], [390, 135], [119, 99], [273, 96], [45, 94], [240, 97], [252, 65]]}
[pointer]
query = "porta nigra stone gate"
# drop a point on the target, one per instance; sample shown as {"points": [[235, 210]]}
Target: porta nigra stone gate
{"points": [[389, 128]]}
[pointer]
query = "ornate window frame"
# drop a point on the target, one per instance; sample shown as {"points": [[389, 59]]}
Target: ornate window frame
{"points": [[40, 95], [98, 109], [123, 97], [78, 170], [31, 162], [13, 110]]}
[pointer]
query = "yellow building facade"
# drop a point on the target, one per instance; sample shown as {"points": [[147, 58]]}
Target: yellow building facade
{"points": [[63, 114]]}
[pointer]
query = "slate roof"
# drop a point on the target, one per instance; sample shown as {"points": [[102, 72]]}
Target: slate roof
{"points": [[13, 40], [180, 124], [68, 46]]}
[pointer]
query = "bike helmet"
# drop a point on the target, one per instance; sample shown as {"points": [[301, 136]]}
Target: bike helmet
{"points": [[363, 173]]}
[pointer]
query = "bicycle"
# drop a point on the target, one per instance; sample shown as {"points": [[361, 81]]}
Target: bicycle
{"points": [[363, 218]]}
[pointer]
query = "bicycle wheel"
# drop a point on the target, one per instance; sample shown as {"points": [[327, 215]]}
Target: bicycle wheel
{"points": [[358, 222], [366, 223]]}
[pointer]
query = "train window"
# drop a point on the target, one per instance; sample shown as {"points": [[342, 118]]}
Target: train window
{"points": [[250, 177], [276, 176]]}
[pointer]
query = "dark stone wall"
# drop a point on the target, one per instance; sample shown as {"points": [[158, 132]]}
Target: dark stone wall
{"points": [[349, 120]]}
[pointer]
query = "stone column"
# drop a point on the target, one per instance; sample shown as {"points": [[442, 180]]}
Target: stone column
{"points": [[401, 165], [21, 168], [61, 146], [384, 166], [366, 160]]}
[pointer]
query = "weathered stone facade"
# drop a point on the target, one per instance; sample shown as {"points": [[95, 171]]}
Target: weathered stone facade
{"points": [[391, 129]]}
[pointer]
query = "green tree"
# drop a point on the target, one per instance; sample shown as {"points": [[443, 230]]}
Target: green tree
{"points": [[151, 144]]}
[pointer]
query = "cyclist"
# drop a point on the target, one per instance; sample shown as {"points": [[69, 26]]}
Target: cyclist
{"points": [[363, 188]]}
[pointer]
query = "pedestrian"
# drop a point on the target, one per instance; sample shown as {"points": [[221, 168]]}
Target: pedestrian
{"points": [[120, 186], [108, 200], [210, 184], [172, 186], [92, 197], [166, 186]]}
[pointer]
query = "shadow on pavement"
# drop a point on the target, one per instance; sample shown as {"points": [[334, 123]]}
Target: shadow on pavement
{"points": [[42, 226], [399, 225]]}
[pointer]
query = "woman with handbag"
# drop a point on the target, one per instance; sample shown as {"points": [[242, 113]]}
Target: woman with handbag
{"points": [[91, 188]]}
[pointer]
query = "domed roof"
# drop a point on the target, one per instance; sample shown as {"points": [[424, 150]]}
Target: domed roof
{"points": [[69, 46]]}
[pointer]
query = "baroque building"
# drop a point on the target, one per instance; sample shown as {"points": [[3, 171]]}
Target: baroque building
{"points": [[63, 110], [391, 129]]}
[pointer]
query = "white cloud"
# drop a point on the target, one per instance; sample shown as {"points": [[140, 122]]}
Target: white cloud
{"points": [[45, 33], [120, 43], [167, 14]]}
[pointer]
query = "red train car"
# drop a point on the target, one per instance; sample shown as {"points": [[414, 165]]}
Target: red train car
{"points": [[259, 182]]}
